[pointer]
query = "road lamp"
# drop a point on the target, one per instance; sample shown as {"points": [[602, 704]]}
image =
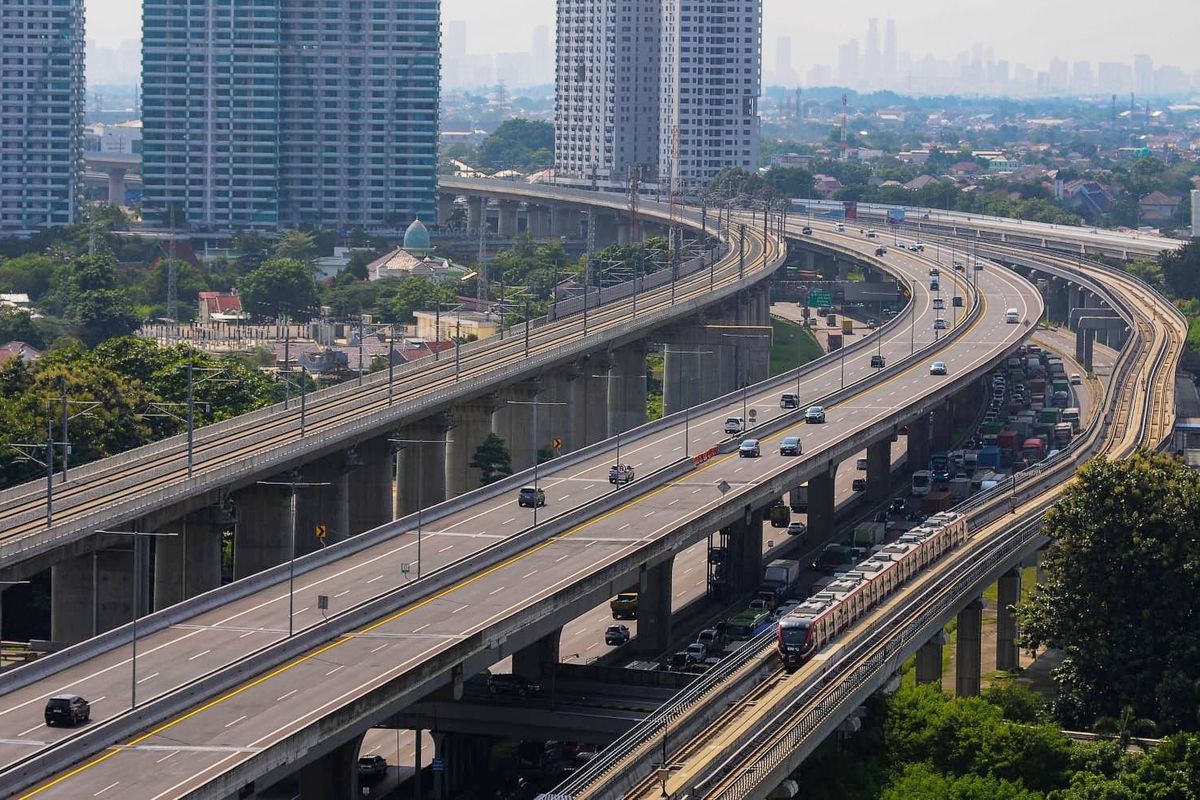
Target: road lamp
{"points": [[687, 408], [536, 450], [292, 486], [400, 443], [137, 597]]}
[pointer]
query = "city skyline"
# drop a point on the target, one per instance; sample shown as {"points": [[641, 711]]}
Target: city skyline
{"points": [[1116, 32]]}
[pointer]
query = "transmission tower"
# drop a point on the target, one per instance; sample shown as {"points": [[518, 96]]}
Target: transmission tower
{"points": [[635, 179]]}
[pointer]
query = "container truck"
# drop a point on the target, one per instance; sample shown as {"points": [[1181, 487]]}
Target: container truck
{"points": [[868, 534], [989, 457], [935, 502], [1008, 440], [847, 326], [780, 576], [960, 488], [799, 499], [1062, 434], [835, 342], [780, 515]]}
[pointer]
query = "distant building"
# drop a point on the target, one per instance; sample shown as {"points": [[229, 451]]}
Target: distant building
{"points": [[221, 307], [18, 350], [1158, 208], [268, 115], [920, 182], [433, 327], [1087, 197], [15, 300], [41, 113], [123, 137], [415, 259]]}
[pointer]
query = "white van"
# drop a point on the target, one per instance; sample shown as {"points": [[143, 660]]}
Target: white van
{"points": [[1012, 316]]}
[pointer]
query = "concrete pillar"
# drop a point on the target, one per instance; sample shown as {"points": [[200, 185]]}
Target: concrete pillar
{"points": [[624, 233], [513, 422], [327, 505], [472, 424], [743, 563], [843, 269], [539, 222], [929, 660], [820, 505], [627, 388], [566, 221], [333, 776], [941, 428], [1085, 342], [1008, 655], [918, 443], [261, 537], [476, 213], [188, 563], [683, 365], [116, 186], [508, 219], [809, 260], [422, 474], [536, 660], [879, 470], [654, 609], [91, 594], [967, 650], [557, 421], [591, 398], [757, 342], [369, 488], [606, 229], [729, 370], [445, 209]]}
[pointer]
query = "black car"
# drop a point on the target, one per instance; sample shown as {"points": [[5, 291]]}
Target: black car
{"points": [[878, 362], [372, 768], [67, 709], [531, 497], [807, 231], [512, 684], [897, 505]]}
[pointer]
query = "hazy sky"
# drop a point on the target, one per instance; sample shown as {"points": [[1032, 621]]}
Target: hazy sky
{"points": [[1028, 31]]}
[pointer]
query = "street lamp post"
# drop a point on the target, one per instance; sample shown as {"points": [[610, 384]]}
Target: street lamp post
{"points": [[687, 409], [420, 487], [137, 598], [536, 450]]}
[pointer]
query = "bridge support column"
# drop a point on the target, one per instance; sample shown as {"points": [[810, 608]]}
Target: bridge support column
{"points": [[654, 609], [754, 344], [627, 388], [514, 422], [324, 505], [539, 222], [369, 489], [683, 367], [116, 186], [589, 400], [820, 505], [566, 221], [445, 209], [263, 533], [929, 660], [1008, 655], [967, 650], [941, 428], [742, 565], [918, 443], [472, 424], [557, 422], [463, 758], [333, 776], [537, 660], [476, 214], [422, 474], [91, 594], [188, 563], [879, 470], [507, 225], [606, 228], [1085, 343]]}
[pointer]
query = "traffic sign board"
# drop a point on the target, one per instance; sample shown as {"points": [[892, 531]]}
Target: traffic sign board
{"points": [[820, 298], [438, 765], [556, 443], [322, 530]]}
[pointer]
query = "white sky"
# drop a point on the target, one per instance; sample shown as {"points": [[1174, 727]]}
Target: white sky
{"points": [[1027, 31]]}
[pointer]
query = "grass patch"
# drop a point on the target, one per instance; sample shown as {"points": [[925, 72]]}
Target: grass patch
{"points": [[791, 345]]}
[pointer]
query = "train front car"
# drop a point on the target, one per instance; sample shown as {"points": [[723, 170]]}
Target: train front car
{"points": [[796, 641]]}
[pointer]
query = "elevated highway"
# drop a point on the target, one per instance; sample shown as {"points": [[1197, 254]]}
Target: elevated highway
{"points": [[296, 712], [745, 749]]}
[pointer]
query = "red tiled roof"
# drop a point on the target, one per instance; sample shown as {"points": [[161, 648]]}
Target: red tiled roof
{"points": [[220, 303]]}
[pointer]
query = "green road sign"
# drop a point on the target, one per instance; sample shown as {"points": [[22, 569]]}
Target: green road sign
{"points": [[820, 298]]}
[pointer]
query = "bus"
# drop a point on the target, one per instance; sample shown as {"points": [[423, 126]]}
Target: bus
{"points": [[746, 624], [922, 483]]}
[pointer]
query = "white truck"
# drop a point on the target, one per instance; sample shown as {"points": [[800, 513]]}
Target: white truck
{"points": [[620, 473], [780, 576]]}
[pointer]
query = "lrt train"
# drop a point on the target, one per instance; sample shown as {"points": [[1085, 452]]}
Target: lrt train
{"points": [[818, 620]]}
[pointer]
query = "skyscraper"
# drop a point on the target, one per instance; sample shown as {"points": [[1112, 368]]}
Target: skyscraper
{"points": [[889, 54], [606, 88], [847, 66], [41, 113], [1143, 75], [543, 54], [784, 75], [872, 62], [277, 113], [711, 76]]}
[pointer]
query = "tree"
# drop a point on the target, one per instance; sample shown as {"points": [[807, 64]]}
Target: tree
{"points": [[1121, 578], [28, 274], [791, 181], [522, 144], [102, 314], [296, 245], [1124, 727], [251, 248], [921, 782], [1181, 270], [280, 286], [492, 460]]}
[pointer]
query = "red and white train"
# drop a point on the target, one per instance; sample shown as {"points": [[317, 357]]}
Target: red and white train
{"points": [[814, 623]]}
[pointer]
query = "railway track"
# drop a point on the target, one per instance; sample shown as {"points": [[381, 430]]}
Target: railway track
{"points": [[218, 450], [739, 754]]}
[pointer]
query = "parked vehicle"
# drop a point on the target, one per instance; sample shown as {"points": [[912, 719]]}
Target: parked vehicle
{"points": [[922, 482], [712, 640], [616, 635], [67, 709], [529, 497]]}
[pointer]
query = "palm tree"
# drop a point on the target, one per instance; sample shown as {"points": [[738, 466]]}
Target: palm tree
{"points": [[1125, 727]]}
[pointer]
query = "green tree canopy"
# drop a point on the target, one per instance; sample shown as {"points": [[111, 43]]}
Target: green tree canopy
{"points": [[522, 144], [29, 274], [1121, 580], [492, 459], [1181, 270], [296, 245], [280, 286], [791, 181], [921, 782]]}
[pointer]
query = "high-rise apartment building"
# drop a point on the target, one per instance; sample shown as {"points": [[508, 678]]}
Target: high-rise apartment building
{"points": [[872, 67], [711, 77], [41, 113], [606, 88], [668, 86], [277, 113], [889, 54]]}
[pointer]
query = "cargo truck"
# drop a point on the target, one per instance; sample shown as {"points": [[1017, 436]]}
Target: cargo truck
{"points": [[799, 499], [780, 576], [960, 488], [868, 534], [936, 502], [780, 515], [835, 342], [847, 326], [834, 558]]}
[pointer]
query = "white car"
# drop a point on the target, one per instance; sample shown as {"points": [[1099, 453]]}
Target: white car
{"points": [[1076, 379], [938, 304], [733, 425], [939, 324], [937, 368]]}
